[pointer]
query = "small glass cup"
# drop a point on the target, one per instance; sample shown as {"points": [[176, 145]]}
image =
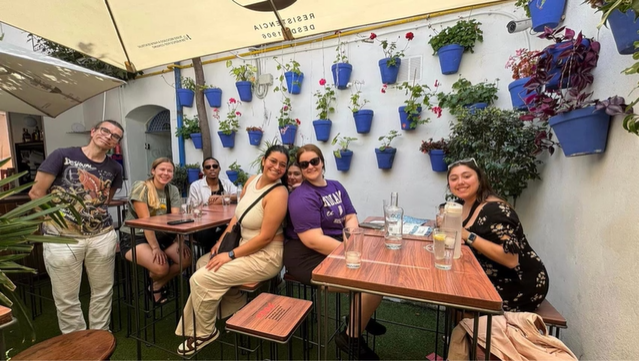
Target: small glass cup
{"points": [[353, 244], [226, 198], [443, 248], [186, 209], [197, 209]]}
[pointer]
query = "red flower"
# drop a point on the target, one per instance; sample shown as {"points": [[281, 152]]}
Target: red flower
{"points": [[409, 36], [373, 36], [285, 108], [384, 88], [298, 121], [437, 110], [322, 82], [238, 114], [232, 101], [436, 83]]}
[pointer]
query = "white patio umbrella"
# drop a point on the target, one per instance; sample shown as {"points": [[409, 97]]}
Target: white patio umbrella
{"points": [[33, 83], [141, 34]]}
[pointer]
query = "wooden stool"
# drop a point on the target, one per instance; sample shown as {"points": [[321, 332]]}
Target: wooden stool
{"points": [[553, 319], [269, 317], [79, 345]]}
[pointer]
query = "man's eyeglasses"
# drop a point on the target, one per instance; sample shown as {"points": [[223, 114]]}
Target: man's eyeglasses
{"points": [[108, 133], [462, 161], [315, 161], [214, 166]]}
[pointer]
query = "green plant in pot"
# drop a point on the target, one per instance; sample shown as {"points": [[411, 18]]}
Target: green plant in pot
{"points": [[244, 79], [464, 93], [580, 122], [436, 150], [389, 66], [343, 155], [324, 106], [293, 75], [341, 69], [418, 96], [234, 172], [385, 153], [230, 124], [363, 117], [213, 95], [522, 65], [191, 130], [192, 172], [186, 93], [450, 43]]}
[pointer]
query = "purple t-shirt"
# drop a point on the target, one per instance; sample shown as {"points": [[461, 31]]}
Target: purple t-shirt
{"points": [[312, 207], [88, 180]]}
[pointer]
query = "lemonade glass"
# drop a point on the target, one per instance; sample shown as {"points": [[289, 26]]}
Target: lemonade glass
{"points": [[443, 248]]}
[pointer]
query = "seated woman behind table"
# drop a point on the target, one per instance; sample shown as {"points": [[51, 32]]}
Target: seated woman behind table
{"points": [[209, 190], [319, 210], [153, 197], [492, 230], [258, 257]]}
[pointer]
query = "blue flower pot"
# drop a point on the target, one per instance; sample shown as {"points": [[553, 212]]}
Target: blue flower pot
{"points": [[363, 120], [582, 131], [214, 97], [437, 160], [450, 57], [228, 140], [344, 161], [549, 14], [518, 93], [186, 97], [624, 29], [322, 129], [288, 134], [294, 82], [245, 90], [232, 175], [385, 158], [192, 174], [255, 137], [472, 108], [197, 140], [555, 50], [405, 119], [341, 74], [389, 73]]}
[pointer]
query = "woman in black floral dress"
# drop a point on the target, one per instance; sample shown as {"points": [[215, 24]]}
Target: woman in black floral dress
{"points": [[492, 230]]}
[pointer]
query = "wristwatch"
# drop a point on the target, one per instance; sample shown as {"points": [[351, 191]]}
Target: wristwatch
{"points": [[232, 255], [471, 238]]}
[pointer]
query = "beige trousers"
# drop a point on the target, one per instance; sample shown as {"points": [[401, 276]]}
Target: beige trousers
{"points": [[210, 290]]}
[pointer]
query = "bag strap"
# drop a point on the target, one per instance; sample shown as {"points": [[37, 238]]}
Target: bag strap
{"points": [[257, 200], [168, 199]]}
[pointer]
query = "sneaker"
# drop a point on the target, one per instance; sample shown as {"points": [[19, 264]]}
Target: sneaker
{"points": [[349, 345], [373, 327], [188, 347]]}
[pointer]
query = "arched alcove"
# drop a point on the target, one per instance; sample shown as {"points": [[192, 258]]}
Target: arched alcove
{"points": [[148, 137]]}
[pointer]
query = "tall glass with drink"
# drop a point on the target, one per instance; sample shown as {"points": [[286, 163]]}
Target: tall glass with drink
{"points": [[353, 244], [394, 224], [443, 248], [453, 221]]}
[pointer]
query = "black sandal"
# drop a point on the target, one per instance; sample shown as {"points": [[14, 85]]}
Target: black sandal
{"points": [[163, 295]]}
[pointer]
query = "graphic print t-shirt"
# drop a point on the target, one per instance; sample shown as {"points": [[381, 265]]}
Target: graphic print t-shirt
{"points": [[85, 179], [312, 207]]}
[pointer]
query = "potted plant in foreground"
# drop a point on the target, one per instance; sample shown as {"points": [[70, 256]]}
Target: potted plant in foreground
{"points": [[341, 69], [452, 42], [389, 66], [465, 94], [187, 93], [385, 153], [325, 97], [255, 135], [191, 130], [244, 79], [230, 125], [410, 114], [192, 172], [522, 65], [363, 117], [343, 155], [580, 123], [293, 75], [436, 150]]}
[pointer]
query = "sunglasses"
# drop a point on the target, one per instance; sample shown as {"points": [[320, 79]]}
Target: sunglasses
{"points": [[214, 166], [463, 161], [315, 161]]}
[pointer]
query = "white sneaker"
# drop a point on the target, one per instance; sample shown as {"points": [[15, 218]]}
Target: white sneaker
{"points": [[188, 347]]}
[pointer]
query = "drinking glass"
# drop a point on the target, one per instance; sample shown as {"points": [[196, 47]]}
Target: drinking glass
{"points": [[353, 244], [443, 248], [197, 209], [185, 209], [226, 198], [439, 217], [238, 194]]}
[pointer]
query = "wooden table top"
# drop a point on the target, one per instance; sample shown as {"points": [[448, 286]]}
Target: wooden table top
{"points": [[213, 216], [79, 345], [410, 273]]}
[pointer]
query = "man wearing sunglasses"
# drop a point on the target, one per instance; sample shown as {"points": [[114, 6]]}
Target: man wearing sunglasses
{"points": [[85, 173], [209, 190]]}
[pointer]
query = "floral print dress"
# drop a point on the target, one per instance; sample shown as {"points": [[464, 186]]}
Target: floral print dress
{"points": [[524, 287]]}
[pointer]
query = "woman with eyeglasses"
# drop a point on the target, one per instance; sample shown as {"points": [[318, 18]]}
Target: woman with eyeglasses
{"points": [[257, 258], [294, 176], [153, 197], [492, 230], [319, 210]]}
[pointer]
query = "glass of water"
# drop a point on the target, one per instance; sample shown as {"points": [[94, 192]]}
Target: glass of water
{"points": [[443, 248], [353, 244], [226, 198], [186, 209]]}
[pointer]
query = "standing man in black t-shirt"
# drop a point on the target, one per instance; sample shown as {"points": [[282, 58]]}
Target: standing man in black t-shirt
{"points": [[89, 174]]}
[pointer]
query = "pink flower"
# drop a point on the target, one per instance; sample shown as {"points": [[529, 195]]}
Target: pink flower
{"points": [[384, 88], [285, 108], [409, 36], [238, 114], [437, 110], [298, 121], [322, 82], [436, 83], [373, 36], [232, 101]]}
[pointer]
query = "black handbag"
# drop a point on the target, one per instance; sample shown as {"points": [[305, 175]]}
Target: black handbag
{"points": [[232, 238]]}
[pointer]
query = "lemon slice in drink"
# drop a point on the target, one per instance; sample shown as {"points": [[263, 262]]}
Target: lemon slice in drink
{"points": [[440, 237]]}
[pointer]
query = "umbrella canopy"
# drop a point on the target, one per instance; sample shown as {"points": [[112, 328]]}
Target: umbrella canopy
{"points": [[142, 34], [33, 83]]}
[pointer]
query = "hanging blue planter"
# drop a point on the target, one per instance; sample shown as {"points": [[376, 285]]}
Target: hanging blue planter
{"points": [[228, 140], [555, 50], [472, 108], [192, 174], [385, 157], [624, 29], [363, 120], [232, 175], [341, 74], [549, 14], [518, 93], [255, 137], [288, 134], [437, 160], [344, 161], [294, 82], [197, 140], [389, 73], [245, 90], [322, 129], [450, 57], [405, 119], [582, 131], [214, 97], [186, 97]]}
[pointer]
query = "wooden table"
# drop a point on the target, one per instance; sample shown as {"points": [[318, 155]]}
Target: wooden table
{"points": [[213, 216], [410, 273]]}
